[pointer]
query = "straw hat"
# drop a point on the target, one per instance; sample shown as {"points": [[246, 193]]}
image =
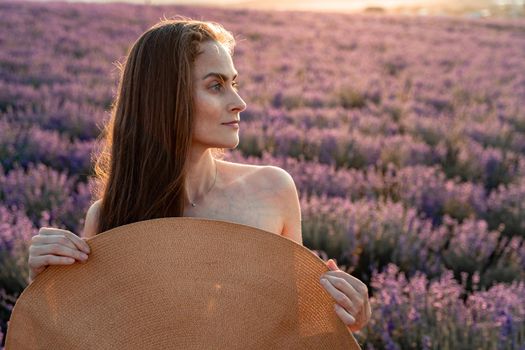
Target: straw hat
{"points": [[181, 283]]}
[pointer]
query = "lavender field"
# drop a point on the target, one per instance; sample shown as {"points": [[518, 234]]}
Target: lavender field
{"points": [[405, 137]]}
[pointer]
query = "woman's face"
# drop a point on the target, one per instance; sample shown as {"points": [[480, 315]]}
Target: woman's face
{"points": [[216, 98]]}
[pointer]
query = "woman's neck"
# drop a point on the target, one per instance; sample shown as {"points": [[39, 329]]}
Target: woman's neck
{"points": [[201, 176]]}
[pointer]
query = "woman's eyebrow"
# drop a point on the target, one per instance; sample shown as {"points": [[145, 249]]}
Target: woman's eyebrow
{"points": [[221, 76]]}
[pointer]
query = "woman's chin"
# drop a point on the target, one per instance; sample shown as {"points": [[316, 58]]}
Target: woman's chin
{"points": [[232, 146], [229, 145]]}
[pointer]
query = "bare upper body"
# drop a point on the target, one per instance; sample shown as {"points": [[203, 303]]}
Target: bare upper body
{"points": [[264, 197]]}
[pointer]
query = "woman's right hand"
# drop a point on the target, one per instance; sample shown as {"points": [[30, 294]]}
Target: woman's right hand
{"points": [[53, 246]]}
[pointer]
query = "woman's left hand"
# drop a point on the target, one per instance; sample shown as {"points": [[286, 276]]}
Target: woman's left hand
{"points": [[351, 296]]}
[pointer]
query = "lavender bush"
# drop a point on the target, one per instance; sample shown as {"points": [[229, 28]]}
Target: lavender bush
{"points": [[506, 206], [416, 313], [367, 235], [23, 145], [16, 231], [45, 193]]}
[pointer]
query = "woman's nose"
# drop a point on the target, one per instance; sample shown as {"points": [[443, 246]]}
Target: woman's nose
{"points": [[239, 105]]}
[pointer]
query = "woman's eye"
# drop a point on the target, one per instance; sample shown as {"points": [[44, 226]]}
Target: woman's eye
{"points": [[218, 86]]}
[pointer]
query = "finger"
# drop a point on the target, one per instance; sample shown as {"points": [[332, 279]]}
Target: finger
{"points": [[56, 245], [346, 283], [356, 283], [344, 315], [77, 241], [368, 311], [43, 260], [51, 231], [52, 239], [363, 310], [332, 265], [342, 295], [57, 249]]}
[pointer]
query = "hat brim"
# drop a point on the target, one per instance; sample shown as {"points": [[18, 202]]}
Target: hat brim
{"points": [[181, 283]]}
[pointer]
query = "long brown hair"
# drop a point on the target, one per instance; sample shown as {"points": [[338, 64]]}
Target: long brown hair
{"points": [[141, 168]]}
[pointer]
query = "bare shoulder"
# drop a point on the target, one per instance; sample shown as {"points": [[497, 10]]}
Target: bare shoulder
{"points": [[91, 222], [278, 178], [286, 198], [274, 187], [257, 176]]}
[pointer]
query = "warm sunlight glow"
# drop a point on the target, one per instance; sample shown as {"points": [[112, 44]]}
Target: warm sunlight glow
{"points": [[468, 8]]}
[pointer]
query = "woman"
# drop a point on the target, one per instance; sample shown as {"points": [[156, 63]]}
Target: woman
{"points": [[177, 106]]}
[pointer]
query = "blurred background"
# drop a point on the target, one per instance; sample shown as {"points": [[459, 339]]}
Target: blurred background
{"points": [[467, 8]]}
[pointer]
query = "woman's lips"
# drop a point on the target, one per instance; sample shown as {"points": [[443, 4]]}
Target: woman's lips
{"points": [[232, 124]]}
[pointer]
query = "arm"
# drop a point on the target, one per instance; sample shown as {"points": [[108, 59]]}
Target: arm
{"points": [[91, 223], [48, 239]]}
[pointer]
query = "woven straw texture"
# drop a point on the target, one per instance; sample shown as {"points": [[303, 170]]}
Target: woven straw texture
{"points": [[181, 283]]}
